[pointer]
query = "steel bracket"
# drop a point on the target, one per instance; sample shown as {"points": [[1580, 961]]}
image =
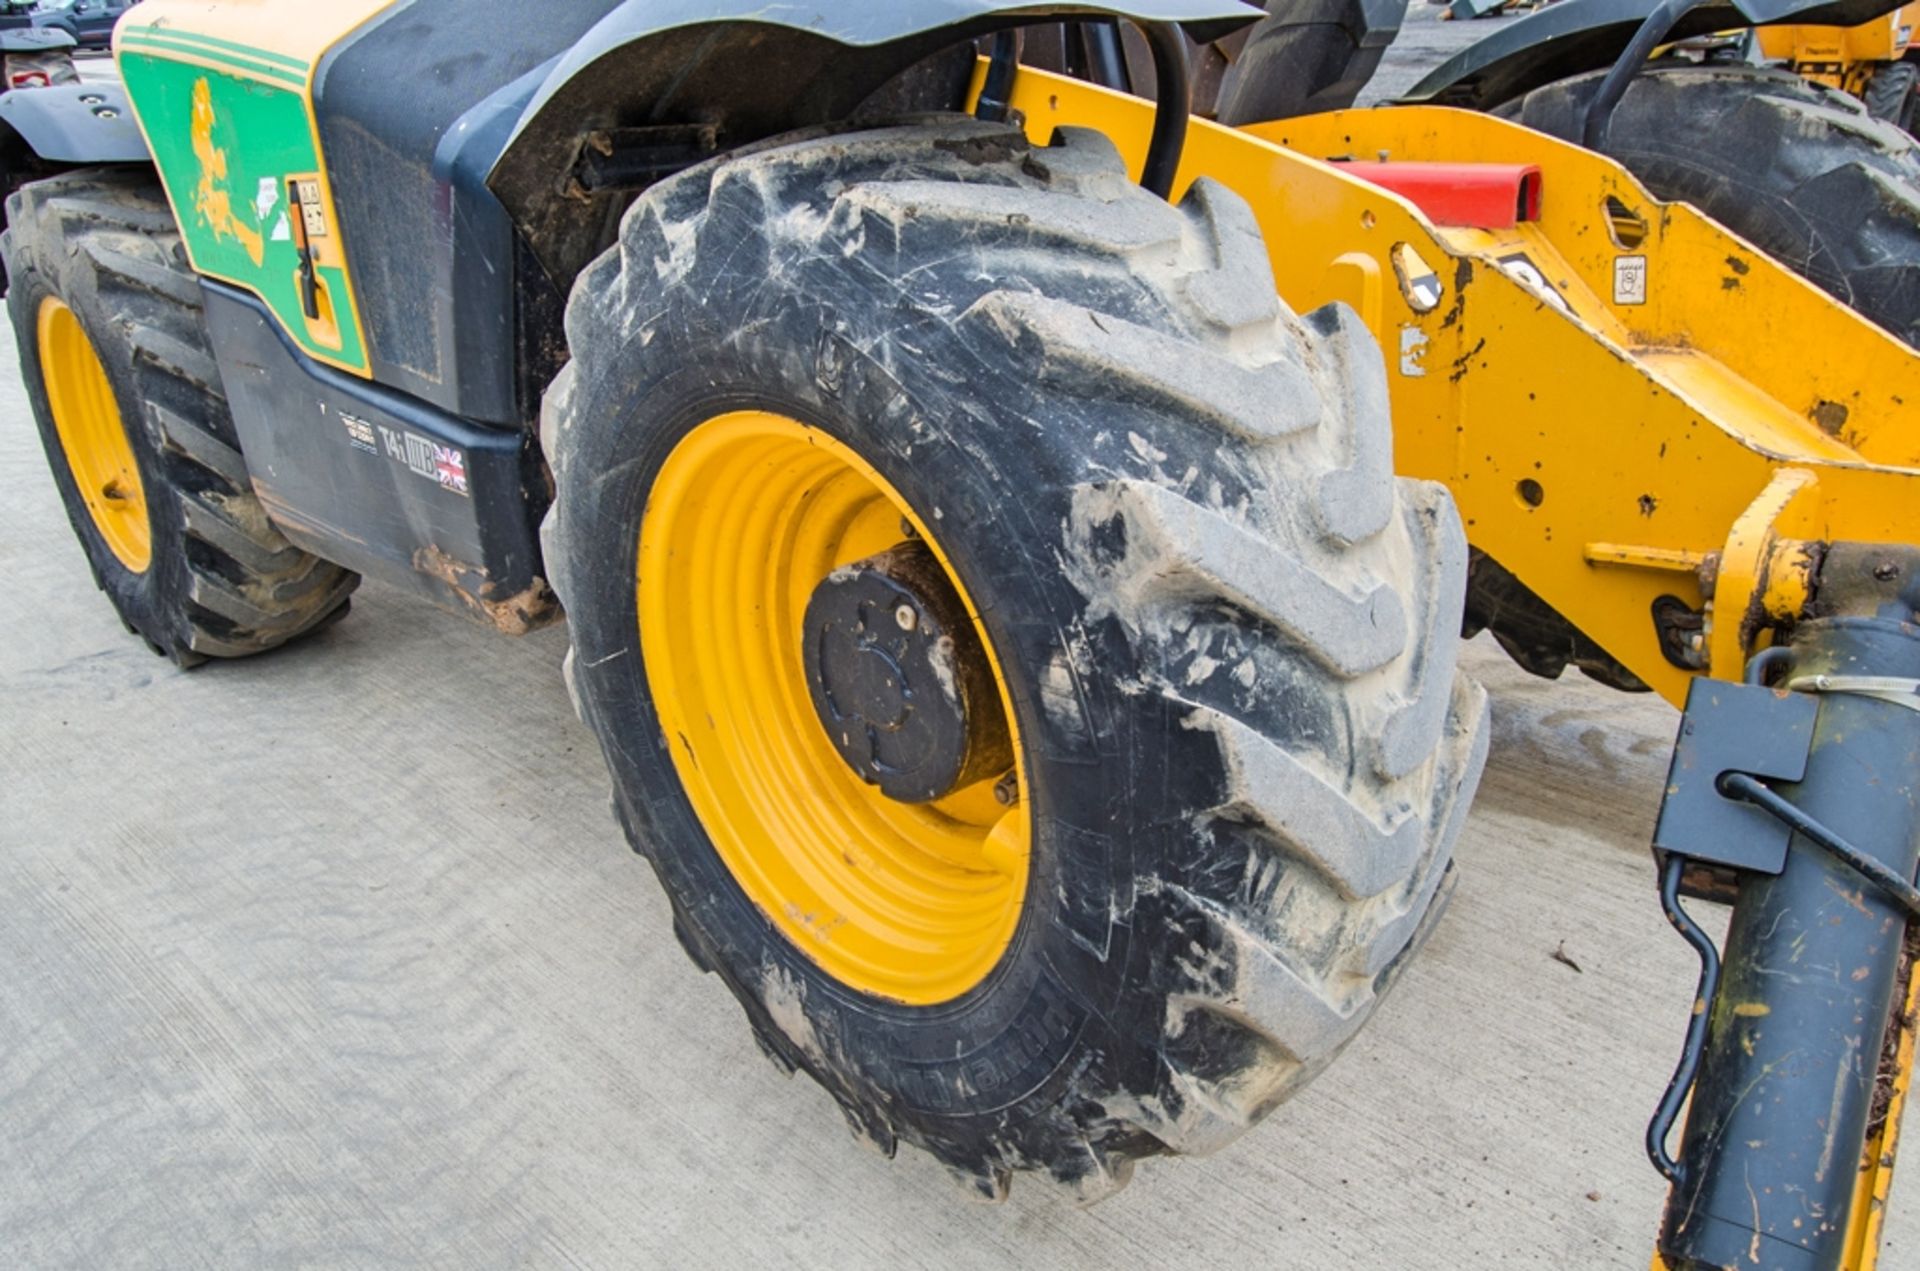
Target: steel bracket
{"points": [[1727, 727]]}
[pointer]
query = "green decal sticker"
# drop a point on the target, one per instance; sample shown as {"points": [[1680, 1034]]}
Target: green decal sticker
{"points": [[227, 144]]}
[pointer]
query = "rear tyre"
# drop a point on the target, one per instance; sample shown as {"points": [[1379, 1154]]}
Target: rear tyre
{"points": [[1222, 630], [114, 355], [1802, 172], [1307, 56], [1890, 94]]}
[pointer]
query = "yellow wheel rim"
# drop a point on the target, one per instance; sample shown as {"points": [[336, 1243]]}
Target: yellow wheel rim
{"points": [[915, 903], [93, 437]]}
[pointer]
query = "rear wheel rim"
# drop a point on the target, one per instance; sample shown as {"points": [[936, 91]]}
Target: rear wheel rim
{"points": [[93, 436], [912, 903]]}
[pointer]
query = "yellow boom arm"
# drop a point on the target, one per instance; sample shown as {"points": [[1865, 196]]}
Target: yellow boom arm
{"points": [[1625, 399]]}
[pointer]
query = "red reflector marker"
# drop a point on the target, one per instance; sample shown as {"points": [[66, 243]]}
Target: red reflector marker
{"points": [[1474, 195]]}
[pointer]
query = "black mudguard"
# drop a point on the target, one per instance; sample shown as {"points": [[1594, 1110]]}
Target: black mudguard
{"points": [[1577, 36], [1307, 56], [74, 123], [858, 26], [749, 69], [808, 62], [466, 184]]}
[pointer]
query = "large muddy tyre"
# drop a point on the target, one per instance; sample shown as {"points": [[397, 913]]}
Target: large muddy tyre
{"points": [[114, 355], [1047, 452], [1889, 95], [1802, 172]]}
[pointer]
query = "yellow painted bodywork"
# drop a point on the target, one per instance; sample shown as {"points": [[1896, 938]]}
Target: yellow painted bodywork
{"points": [[906, 902], [303, 32], [1840, 57], [93, 436], [1650, 393]]}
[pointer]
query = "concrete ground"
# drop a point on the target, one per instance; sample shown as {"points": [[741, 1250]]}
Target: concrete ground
{"points": [[335, 959]]}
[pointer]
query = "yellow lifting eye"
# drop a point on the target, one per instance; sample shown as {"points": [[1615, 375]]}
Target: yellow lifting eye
{"points": [[93, 437], [1419, 284], [780, 577]]}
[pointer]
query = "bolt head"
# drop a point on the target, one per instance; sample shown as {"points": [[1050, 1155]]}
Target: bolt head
{"points": [[907, 617]]}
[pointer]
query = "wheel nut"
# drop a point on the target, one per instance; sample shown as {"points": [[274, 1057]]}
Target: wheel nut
{"points": [[114, 492], [907, 617]]}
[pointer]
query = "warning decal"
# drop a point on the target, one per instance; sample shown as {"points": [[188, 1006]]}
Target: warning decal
{"points": [[359, 434]]}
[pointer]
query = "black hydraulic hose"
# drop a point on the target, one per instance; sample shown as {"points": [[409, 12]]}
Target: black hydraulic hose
{"points": [[1688, 1069], [1174, 93], [1106, 60], [1002, 65], [1652, 34], [1738, 785], [1173, 90]]}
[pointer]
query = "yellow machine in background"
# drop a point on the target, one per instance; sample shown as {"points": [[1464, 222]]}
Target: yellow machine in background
{"points": [[1866, 60]]}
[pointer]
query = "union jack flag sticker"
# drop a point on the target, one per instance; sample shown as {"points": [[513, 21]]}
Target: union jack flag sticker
{"points": [[450, 466]]}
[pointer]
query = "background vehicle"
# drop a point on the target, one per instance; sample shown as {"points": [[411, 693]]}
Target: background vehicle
{"points": [[64, 127], [1011, 644], [89, 22], [17, 15], [1873, 61], [36, 58]]}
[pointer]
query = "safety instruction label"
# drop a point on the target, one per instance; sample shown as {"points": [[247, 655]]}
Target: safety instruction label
{"points": [[359, 434], [1629, 280]]}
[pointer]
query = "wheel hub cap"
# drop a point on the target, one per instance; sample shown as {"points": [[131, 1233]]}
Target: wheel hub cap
{"points": [[899, 678]]}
